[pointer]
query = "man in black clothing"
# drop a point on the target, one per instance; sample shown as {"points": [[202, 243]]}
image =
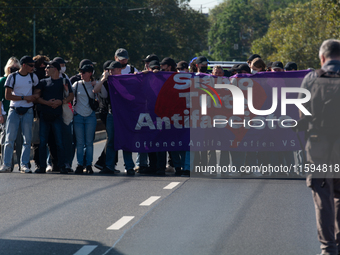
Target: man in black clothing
{"points": [[51, 99]]}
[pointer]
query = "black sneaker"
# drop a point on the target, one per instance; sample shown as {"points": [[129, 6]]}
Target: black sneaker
{"points": [[40, 171], [130, 172], [79, 170], [147, 170], [89, 170], [99, 165], [106, 170], [178, 171], [160, 172], [55, 169], [63, 170], [185, 173]]}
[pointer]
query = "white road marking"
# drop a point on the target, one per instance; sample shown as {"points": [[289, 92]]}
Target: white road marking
{"points": [[86, 250], [171, 185], [120, 223], [150, 200]]}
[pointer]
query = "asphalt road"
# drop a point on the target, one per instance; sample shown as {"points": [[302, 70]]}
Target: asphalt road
{"points": [[81, 215]]}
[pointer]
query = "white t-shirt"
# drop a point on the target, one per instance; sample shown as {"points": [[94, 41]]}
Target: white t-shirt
{"points": [[82, 106], [127, 70], [23, 87]]}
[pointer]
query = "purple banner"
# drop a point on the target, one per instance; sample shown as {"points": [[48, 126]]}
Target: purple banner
{"points": [[167, 111]]}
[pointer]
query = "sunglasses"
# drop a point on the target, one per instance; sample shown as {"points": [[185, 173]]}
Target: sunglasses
{"points": [[30, 65], [48, 67]]}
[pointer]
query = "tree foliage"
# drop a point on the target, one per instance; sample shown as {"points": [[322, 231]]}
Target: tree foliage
{"points": [[235, 24], [296, 33], [95, 29]]}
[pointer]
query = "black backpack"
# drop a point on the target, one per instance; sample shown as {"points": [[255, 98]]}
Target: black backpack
{"points": [[132, 69], [325, 104]]}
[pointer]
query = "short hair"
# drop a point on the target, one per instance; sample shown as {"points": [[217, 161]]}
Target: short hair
{"points": [[40, 59], [217, 67], [11, 61], [258, 63], [330, 49]]}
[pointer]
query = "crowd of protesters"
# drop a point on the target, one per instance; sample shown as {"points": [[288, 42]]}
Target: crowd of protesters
{"points": [[42, 107]]}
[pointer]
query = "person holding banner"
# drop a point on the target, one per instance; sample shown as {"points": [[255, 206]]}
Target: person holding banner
{"points": [[115, 68]]}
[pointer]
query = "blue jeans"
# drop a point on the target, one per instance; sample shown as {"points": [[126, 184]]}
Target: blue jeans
{"points": [[84, 130], [13, 122], [178, 158], [18, 143], [128, 161], [142, 159], [44, 131]]}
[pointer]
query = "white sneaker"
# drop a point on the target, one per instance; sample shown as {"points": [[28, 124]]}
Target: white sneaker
{"points": [[5, 169], [49, 168], [25, 170]]}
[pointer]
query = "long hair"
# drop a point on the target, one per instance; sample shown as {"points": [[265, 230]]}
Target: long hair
{"points": [[11, 61]]}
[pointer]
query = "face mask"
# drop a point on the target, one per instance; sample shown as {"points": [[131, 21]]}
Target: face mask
{"points": [[123, 66], [203, 69], [14, 69], [253, 71], [63, 69]]}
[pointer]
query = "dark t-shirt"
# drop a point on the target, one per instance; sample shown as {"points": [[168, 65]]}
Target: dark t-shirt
{"points": [[52, 89]]}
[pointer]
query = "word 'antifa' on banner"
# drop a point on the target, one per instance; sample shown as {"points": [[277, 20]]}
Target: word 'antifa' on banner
{"points": [[185, 111]]}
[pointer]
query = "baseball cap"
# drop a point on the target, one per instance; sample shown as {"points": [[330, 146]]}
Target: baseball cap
{"points": [[54, 63], [114, 64], [122, 54], [59, 60], [277, 64], [202, 60], [26, 60], [85, 62], [182, 65], [154, 63], [252, 57], [151, 57], [243, 67], [107, 64], [291, 66], [87, 68], [168, 61], [234, 68]]}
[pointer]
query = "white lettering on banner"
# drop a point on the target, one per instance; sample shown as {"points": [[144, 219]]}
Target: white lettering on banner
{"points": [[202, 144]]}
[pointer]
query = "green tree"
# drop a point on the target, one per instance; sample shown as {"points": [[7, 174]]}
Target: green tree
{"points": [[296, 33], [95, 29], [236, 24]]}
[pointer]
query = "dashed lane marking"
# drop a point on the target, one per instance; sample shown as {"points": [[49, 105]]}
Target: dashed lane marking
{"points": [[86, 250], [171, 185], [120, 223], [150, 200]]}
